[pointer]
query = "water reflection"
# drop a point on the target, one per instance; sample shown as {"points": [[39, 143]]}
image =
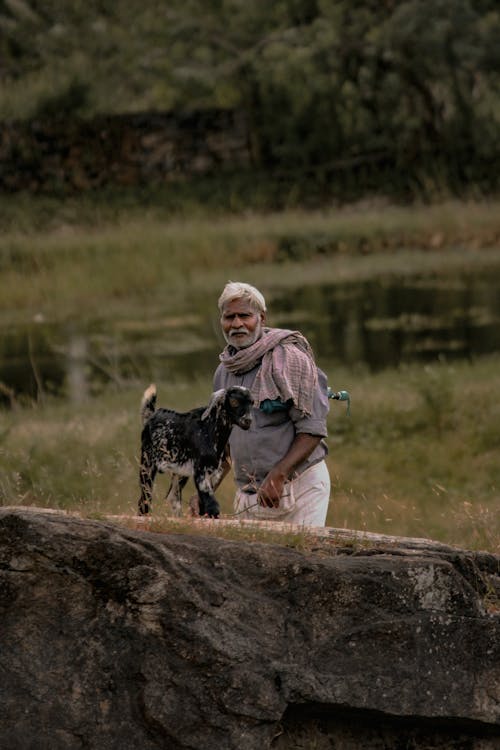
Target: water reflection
{"points": [[78, 362], [384, 323], [380, 323]]}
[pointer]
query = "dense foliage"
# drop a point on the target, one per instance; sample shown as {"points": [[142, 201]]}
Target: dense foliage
{"points": [[390, 90]]}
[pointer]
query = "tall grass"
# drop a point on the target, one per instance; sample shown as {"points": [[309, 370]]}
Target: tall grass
{"points": [[422, 456], [418, 456]]}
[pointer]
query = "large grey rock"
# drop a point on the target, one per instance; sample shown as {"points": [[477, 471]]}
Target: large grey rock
{"points": [[128, 639]]}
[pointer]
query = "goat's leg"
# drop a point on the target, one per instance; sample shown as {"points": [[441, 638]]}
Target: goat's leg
{"points": [[174, 494], [147, 475], [208, 503]]}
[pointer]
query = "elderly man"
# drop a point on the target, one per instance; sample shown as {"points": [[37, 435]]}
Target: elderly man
{"points": [[278, 463]]}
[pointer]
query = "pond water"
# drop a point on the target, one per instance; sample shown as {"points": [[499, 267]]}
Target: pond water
{"points": [[379, 323]]}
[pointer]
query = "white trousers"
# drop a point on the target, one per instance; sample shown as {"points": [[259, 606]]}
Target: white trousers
{"points": [[304, 500]]}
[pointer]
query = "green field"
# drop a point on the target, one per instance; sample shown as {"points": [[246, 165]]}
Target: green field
{"points": [[85, 260], [419, 455]]}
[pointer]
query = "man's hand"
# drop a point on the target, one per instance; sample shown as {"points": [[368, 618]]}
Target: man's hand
{"points": [[271, 488]]}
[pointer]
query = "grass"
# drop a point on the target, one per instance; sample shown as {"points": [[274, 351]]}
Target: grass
{"points": [[418, 456], [433, 431], [127, 259]]}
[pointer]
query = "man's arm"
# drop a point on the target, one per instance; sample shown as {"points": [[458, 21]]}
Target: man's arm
{"points": [[271, 488], [310, 431]]}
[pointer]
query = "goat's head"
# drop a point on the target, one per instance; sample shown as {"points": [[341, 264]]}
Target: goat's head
{"points": [[236, 402], [239, 404]]}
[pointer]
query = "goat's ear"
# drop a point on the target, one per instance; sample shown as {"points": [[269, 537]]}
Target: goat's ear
{"points": [[216, 401]]}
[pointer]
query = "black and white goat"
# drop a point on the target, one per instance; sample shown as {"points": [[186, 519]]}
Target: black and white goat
{"points": [[189, 444]]}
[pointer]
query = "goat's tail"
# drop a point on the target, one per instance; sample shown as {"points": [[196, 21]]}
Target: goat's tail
{"points": [[148, 403]]}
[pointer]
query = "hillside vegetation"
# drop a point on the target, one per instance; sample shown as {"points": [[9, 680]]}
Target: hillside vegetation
{"points": [[366, 96]]}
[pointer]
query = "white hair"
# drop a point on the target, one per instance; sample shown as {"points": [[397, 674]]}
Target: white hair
{"points": [[239, 290]]}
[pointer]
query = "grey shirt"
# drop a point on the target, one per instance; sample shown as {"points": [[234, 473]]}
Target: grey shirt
{"points": [[255, 451]]}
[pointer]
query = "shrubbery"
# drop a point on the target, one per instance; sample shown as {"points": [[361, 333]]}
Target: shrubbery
{"points": [[372, 95]]}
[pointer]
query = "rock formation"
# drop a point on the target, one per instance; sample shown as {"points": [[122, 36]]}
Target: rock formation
{"points": [[115, 639]]}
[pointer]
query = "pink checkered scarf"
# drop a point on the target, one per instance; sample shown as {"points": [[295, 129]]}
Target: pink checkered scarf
{"points": [[288, 370]]}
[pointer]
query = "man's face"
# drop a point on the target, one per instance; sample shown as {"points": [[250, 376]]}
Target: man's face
{"points": [[241, 324]]}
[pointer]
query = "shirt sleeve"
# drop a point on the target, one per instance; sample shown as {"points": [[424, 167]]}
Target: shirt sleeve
{"points": [[315, 423]]}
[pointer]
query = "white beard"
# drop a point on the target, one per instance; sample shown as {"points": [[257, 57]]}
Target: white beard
{"points": [[250, 338]]}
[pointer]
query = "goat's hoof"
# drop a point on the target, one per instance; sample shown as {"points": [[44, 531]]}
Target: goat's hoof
{"points": [[144, 509]]}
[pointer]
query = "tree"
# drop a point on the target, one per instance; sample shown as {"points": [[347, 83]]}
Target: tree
{"points": [[325, 85]]}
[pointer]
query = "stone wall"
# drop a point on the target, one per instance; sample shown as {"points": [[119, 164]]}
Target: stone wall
{"points": [[113, 638], [127, 150]]}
